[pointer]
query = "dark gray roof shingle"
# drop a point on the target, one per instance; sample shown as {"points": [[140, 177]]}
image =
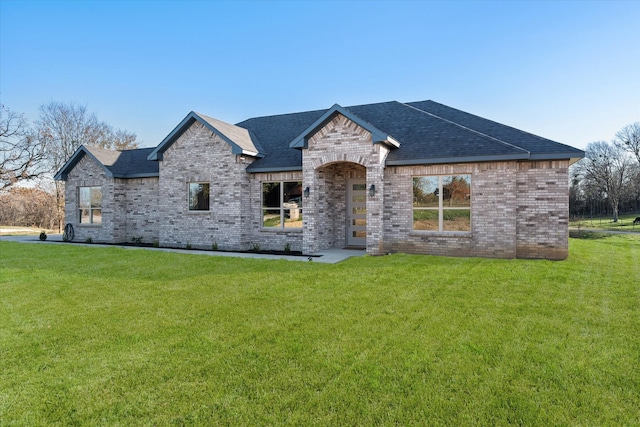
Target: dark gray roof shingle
{"points": [[116, 163], [428, 133], [126, 163]]}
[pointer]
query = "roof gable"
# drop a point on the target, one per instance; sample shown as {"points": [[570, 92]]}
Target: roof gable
{"points": [[240, 139], [115, 163], [378, 136]]}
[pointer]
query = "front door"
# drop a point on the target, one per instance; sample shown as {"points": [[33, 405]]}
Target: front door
{"points": [[357, 213]]}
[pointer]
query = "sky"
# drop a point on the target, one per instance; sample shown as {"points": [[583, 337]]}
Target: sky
{"points": [[564, 70]]}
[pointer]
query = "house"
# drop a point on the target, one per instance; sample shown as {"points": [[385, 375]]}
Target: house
{"points": [[416, 177]]}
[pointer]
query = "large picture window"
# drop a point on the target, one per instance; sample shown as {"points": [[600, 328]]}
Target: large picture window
{"points": [[282, 204], [442, 203], [90, 205], [198, 196]]}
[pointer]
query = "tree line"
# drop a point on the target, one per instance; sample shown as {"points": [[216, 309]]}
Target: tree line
{"points": [[607, 180], [31, 153]]}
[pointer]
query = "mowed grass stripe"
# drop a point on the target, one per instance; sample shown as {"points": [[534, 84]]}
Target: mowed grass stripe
{"points": [[111, 336]]}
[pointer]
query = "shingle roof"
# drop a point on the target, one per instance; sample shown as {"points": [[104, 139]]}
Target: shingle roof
{"points": [[423, 132], [428, 133], [116, 163], [240, 139], [538, 147]]}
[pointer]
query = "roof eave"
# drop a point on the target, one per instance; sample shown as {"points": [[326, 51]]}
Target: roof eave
{"points": [[63, 173], [377, 136], [192, 117], [274, 169], [137, 175], [577, 155], [461, 159]]}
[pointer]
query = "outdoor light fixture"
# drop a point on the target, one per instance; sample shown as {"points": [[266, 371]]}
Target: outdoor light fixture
{"points": [[306, 192], [372, 190]]}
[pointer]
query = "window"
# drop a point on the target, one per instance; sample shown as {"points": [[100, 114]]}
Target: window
{"points": [[198, 196], [90, 205], [282, 204], [442, 203]]}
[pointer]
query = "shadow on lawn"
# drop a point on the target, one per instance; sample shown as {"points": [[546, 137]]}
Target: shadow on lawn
{"points": [[588, 235]]}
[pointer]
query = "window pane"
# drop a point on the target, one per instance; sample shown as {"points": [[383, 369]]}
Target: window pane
{"points": [[425, 219], [359, 187], [360, 211], [293, 192], [84, 196], [199, 196], [456, 219], [85, 216], [271, 217], [96, 197], [271, 194], [96, 216], [456, 191], [426, 191], [359, 199], [293, 218]]}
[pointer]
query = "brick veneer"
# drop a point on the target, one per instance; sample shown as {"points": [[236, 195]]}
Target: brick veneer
{"points": [[543, 210], [519, 209], [338, 151], [129, 206], [199, 155]]}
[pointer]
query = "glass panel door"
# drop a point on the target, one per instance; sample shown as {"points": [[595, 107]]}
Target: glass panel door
{"points": [[357, 213]]}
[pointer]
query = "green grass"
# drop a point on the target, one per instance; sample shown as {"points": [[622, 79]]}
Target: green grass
{"points": [[625, 223], [111, 336]]}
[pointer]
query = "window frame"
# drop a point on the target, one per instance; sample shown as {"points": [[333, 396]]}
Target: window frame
{"points": [[208, 197], [282, 210], [440, 209], [91, 208]]}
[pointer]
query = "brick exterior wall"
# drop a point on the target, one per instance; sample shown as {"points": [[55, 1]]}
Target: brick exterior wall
{"points": [[198, 155], [543, 210], [332, 156], [129, 206], [519, 209], [137, 199], [88, 173]]}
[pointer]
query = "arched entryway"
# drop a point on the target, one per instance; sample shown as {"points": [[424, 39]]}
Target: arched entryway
{"points": [[340, 206]]}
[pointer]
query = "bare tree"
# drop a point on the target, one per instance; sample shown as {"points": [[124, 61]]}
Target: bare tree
{"points": [[21, 153], [628, 139], [63, 127], [607, 169], [28, 206]]}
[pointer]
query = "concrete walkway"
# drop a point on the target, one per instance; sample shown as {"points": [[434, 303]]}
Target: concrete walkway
{"points": [[329, 256]]}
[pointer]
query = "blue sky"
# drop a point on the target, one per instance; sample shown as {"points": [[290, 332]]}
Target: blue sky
{"points": [[567, 71]]}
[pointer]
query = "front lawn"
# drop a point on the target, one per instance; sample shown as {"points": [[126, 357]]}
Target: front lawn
{"points": [[113, 336], [625, 223]]}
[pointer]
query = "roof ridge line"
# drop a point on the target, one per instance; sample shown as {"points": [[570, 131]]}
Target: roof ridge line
{"points": [[502, 124], [468, 128]]}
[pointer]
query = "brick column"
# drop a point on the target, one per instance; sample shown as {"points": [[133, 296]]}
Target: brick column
{"points": [[375, 209], [310, 210]]}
